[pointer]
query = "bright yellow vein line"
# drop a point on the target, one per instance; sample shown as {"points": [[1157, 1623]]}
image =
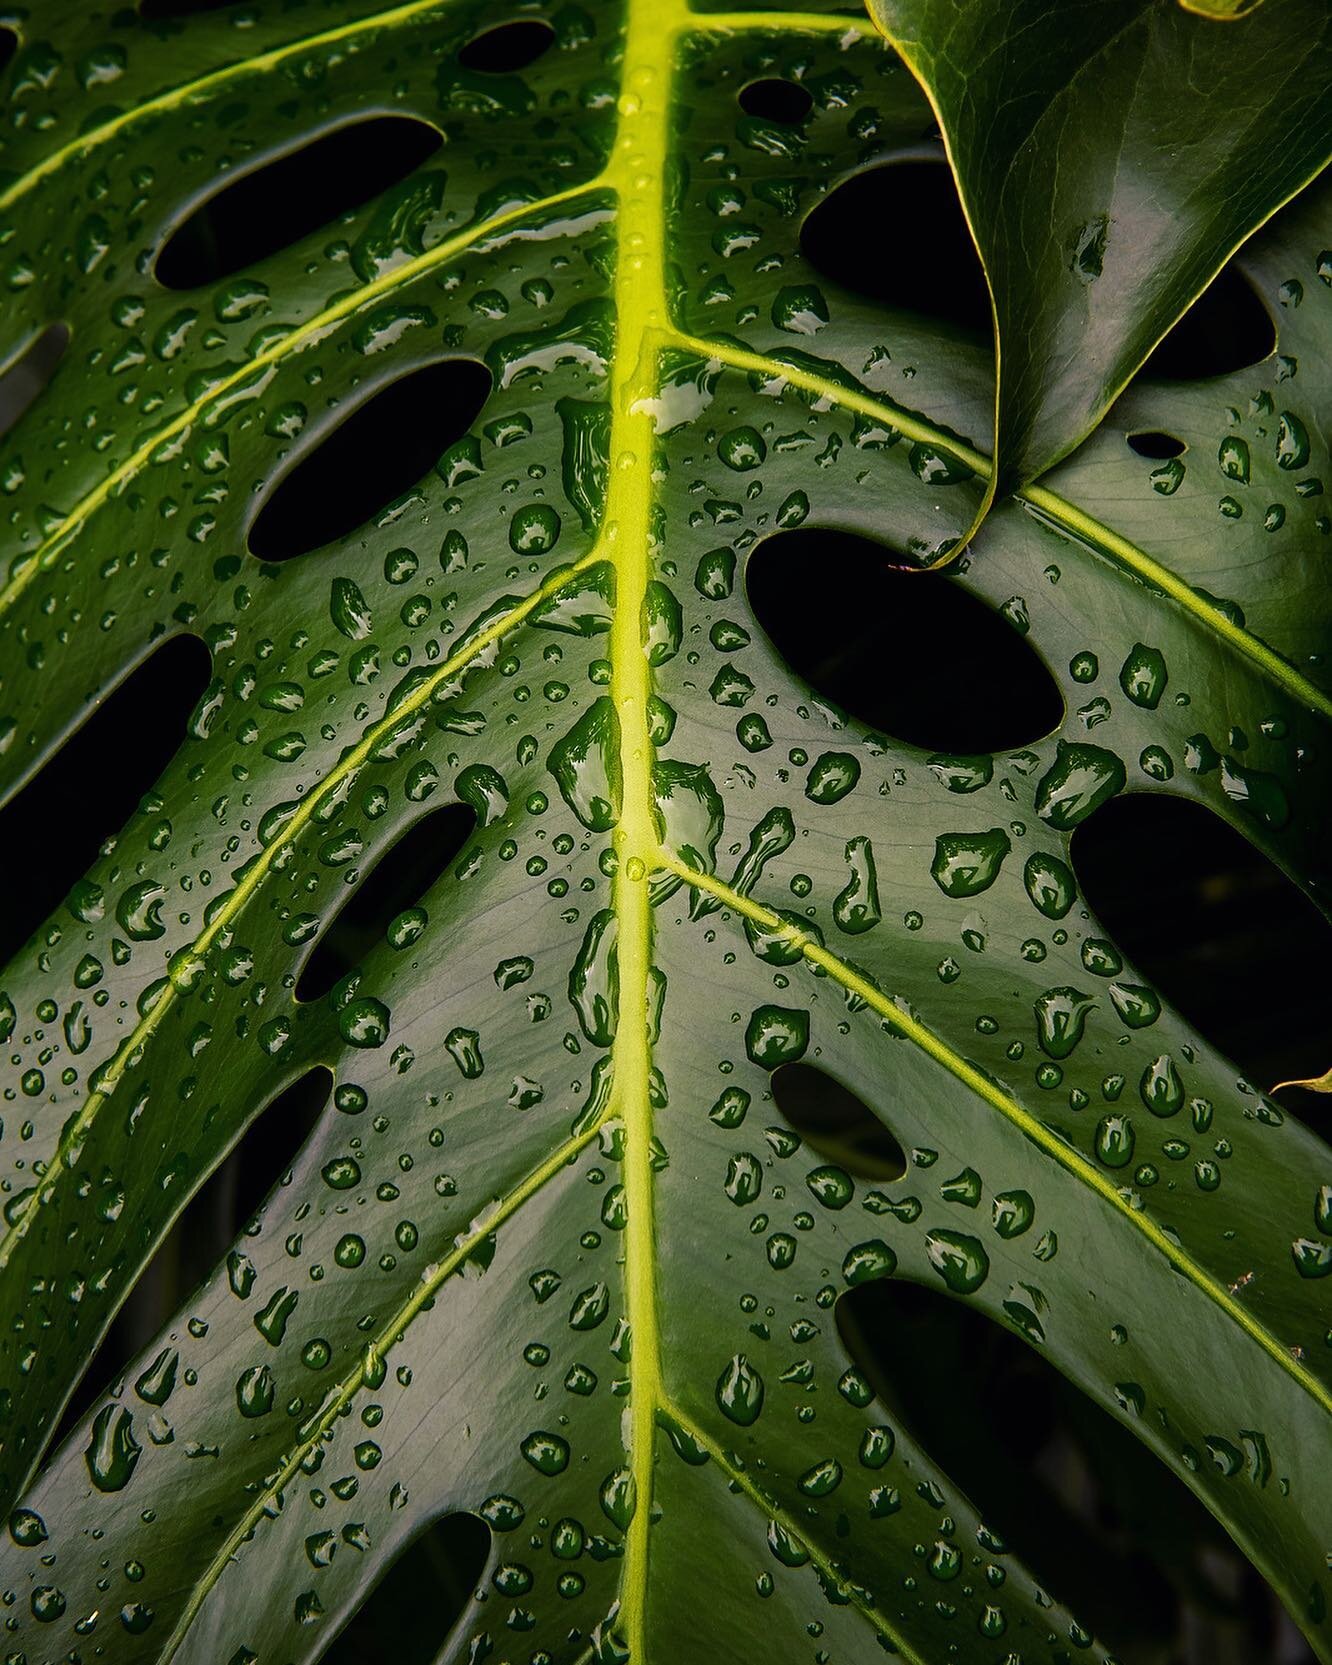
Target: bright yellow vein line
{"points": [[1064, 1154], [823, 23], [260, 64], [350, 34], [1066, 515], [527, 215], [341, 1395], [740, 1479], [638, 171], [110, 1075]]}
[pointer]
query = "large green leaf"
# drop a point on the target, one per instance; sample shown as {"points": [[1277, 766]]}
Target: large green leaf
{"points": [[552, 1254], [1110, 163]]}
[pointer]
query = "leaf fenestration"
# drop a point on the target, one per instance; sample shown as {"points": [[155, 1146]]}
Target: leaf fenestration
{"points": [[553, 1255]]}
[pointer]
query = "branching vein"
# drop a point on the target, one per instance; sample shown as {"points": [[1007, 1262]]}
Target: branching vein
{"points": [[1062, 1153]]}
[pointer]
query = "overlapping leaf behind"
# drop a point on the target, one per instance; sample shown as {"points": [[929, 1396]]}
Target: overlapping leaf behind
{"points": [[552, 1254]]}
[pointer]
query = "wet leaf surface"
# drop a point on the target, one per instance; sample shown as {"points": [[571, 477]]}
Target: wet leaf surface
{"points": [[562, 1252]]}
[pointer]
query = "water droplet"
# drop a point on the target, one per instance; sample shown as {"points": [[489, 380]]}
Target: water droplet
{"points": [[776, 1035], [113, 1450], [865, 1261], [831, 1185], [619, 1498], [349, 610], [823, 1478], [1161, 1088], [1292, 441], [364, 1022], [1013, 1213], [960, 1260], [799, 309], [1050, 884], [255, 1388], [831, 777], [744, 1178], [740, 1391], [586, 767], [27, 1528], [547, 1453], [856, 908], [1143, 676], [1082, 778], [1061, 1017], [967, 863], [1312, 1260], [1115, 1141]]}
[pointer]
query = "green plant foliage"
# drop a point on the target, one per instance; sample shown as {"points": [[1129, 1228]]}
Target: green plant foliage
{"points": [[1109, 168], [553, 1255]]}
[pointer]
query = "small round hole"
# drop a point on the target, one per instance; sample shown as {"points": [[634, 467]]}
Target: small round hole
{"points": [[1159, 447], [776, 99], [509, 47]]}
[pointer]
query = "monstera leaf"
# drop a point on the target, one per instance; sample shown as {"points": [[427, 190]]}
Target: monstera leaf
{"points": [[559, 1253], [1109, 167]]}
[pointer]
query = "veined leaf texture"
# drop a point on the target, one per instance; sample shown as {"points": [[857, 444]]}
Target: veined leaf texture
{"points": [[463, 464]]}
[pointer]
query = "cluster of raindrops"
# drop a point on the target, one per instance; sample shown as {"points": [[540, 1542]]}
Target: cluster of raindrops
{"points": [[431, 1312]]}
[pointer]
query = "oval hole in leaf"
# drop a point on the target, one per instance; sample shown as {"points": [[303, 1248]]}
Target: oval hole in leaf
{"points": [[1226, 329], [8, 47], [930, 266], [193, 1248], [776, 99], [394, 1625], [29, 373], [87, 790], [1204, 917], [836, 1123], [381, 447], [912, 654], [396, 878], [1069, 1488], [277, 203], [1157, 446], [508, 47]]}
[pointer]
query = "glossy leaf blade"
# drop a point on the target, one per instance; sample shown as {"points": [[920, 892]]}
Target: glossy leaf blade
{"points": [[553, 1255], [1110, 163]]}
